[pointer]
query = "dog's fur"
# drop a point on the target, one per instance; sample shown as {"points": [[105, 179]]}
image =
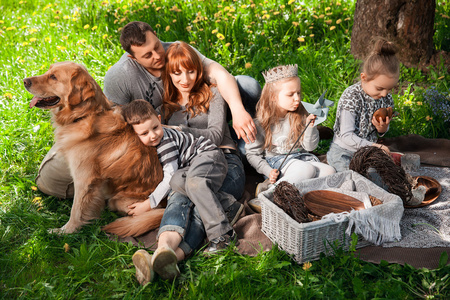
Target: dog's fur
{"points": [[108, 163]]}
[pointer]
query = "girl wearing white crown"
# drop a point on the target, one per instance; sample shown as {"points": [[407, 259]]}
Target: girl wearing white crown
{"points": [[280, 120]]}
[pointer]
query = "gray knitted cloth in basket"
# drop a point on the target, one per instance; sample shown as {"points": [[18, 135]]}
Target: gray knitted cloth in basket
{"points": [[377, 224]]}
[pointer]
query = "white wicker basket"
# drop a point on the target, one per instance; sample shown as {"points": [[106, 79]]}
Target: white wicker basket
{"points": [[305, 241]]}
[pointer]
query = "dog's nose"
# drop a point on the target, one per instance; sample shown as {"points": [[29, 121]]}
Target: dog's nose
{"points": [[27, 82]]}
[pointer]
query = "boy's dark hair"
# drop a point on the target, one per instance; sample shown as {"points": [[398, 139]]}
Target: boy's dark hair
{"points": [[138, 111], [133, 34]]}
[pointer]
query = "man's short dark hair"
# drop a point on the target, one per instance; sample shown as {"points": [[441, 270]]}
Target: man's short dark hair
{"points": [[133, 34]]}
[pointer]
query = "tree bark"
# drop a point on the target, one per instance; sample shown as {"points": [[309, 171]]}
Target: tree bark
{"points": [[409, 24]]}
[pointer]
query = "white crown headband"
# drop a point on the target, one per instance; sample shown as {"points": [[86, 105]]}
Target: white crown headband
{"points": [[280, 72]]}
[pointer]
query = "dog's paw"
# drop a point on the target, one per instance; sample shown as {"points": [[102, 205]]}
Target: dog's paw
{"points": [[58, 231]]}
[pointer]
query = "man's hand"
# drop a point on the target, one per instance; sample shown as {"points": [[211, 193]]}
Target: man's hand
{"points": [[380, 125], [244, 126], [273, 176], [139, 208]]}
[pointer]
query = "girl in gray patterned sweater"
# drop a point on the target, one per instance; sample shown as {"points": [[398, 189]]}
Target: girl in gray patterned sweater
{"points": [[355, 126]]}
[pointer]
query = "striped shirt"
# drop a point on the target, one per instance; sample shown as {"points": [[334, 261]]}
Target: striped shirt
{"points": [[181, 146]]}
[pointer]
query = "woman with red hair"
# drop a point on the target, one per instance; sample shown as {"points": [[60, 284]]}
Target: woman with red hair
{"points": [[192, 106]]}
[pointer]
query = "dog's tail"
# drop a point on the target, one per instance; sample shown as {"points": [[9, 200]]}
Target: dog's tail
{"points": [[137, 225]]}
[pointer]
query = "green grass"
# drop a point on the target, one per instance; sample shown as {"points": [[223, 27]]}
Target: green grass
{"points": [[245, 37]]}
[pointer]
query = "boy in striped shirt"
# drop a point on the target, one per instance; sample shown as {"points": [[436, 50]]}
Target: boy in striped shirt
{"points": [[192, 166]]}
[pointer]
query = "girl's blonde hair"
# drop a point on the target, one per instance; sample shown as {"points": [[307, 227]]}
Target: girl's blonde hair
{"points": [[178, 55], [268, 113], [382, 60]]}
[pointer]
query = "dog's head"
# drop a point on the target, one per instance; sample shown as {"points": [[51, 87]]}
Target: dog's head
{"points": [[68, 87]]}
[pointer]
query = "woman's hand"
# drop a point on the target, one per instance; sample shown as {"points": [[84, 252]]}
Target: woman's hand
{"points": [[139, 208], [380, 125], [273, 176]]}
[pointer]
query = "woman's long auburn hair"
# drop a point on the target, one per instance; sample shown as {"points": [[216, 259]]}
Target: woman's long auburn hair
{"points": [[178, 55], [268, 114]]}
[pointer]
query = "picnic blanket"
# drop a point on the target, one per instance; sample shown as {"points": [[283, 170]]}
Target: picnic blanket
{"points": [[425, 231]]}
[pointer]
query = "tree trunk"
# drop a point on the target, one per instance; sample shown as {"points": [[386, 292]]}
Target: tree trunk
{"points": [[409, 24]]}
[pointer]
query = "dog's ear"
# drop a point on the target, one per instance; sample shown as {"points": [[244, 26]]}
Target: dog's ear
{"points": [[82, 87]]}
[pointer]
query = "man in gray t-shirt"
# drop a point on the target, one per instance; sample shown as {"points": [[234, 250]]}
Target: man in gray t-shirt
{"points": [[137, 75]]}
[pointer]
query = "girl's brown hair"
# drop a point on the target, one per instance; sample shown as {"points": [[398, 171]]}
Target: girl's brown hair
{"points": [[178, 55], [382, 60], [268, 113]]}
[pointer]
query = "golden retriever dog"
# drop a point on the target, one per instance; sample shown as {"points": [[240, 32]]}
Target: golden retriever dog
{"points": [[108, 163]]}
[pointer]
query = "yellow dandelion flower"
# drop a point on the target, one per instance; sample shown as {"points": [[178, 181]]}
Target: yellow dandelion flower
{"points": [[10, 28], [266, 16], [345, 8], [104, 36], [192, 42], [315, 17], [327, 8], [86, 52], [329, 14], [321, 16], [442, 77], [167, 28], [174, 20], [37, 199], [214, 31], [311, 35], [276, 13], [158, 8], [47, 39], [65, 37], [295, 24], [338, 4], [307, 265], [34, 188], [328, 22], [86, 26], [248, 65], [332, 27], [66, 247], [300, 39], [201, 29], [220, 36], [311, 27], [82, 41], [429, 118], [157, 25], [338, 21], [32, 30], [33, 39], [93, 28], [25, 44], [9, 96], [56, 17], [24, 26], [22, 61], [66, 17], [243, 6], [290, 2], [227, 44], [74, 19], [346, 30], [419, 103], [52, 24], [189, 28], [104, 3], [1, 21], [18, 18], [61, 48], [282, 6]]}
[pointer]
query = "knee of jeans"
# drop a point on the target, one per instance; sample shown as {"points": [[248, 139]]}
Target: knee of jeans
{"points": [[176, 198]]}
